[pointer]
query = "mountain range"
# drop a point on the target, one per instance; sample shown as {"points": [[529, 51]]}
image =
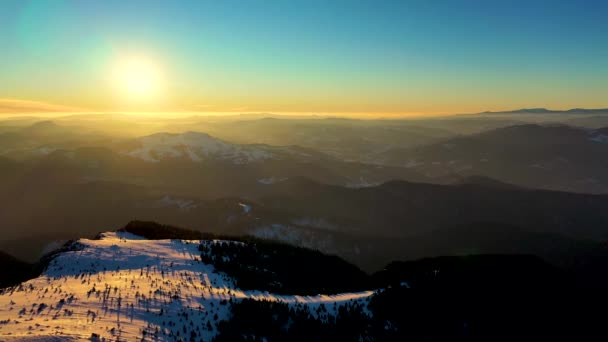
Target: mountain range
{"points": [[556, 157], [550, 111], [457, 186]]}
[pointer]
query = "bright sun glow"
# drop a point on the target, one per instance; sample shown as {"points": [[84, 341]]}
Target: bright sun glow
{"points": [[138, 78]]}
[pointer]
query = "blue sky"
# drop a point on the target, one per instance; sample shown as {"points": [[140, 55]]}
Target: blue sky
{"points": [[310, 56]]}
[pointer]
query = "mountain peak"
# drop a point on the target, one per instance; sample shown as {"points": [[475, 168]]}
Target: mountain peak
{"points": [[42, 126], [197, 147], [130, 288]]}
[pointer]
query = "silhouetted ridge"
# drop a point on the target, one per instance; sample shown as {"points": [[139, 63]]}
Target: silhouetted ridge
{"points": [[551, 111], [486, 182], [14, 271], [470, 272], [156, 231]]}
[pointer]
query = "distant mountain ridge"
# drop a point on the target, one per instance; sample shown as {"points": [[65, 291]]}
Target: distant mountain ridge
{"points": [[198, 147], [549, 156], [551, 111]]}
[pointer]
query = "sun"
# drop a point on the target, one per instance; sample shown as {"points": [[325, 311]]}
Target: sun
{"points": [[138, 78]]}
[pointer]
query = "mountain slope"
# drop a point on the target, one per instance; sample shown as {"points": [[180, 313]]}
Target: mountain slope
{"points": [[125, 287], [199, 147], [552, 157], [401, 209]]}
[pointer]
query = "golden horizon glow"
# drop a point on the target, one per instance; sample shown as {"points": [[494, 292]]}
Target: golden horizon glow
{"points": [[211, 56], [13, 108]]}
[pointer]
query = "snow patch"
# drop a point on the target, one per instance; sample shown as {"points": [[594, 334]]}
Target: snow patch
{"points": [[197, 147], [296, 237], [600, 138], [246, 208], [182, 204], [46, 150]]}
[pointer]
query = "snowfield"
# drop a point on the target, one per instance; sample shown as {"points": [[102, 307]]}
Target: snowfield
{"points": [[197, 147], [125, 288]]}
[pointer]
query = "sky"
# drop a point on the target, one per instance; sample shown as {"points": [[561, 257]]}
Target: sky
{"points": [[368, 57]]}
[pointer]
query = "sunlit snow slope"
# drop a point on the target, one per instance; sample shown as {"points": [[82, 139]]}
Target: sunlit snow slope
{"points": [[123, 287], [197, 147]]}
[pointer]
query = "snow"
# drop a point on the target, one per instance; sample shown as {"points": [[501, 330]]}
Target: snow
{"points": [[278, 232], [197, 147], [246, 208], [46, 150], [182, 204], [600, 138], [293, 235], [122, 285]]}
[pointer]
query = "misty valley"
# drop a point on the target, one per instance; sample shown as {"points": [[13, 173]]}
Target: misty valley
{"points": [[360, 212]]}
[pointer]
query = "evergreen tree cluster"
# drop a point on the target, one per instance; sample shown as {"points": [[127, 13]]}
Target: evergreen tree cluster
{"points": [[284, 269], [254, 320]]}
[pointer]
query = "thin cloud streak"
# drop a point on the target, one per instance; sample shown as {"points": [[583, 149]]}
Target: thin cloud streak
{"points": [[16, 106]]}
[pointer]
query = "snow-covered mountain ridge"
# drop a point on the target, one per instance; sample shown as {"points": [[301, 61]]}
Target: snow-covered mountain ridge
{"points": [[199, 147], [125, 287]]}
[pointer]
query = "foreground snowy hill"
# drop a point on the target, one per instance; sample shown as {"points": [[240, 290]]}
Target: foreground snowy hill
{"points": [[153, 282], [122, 287]]}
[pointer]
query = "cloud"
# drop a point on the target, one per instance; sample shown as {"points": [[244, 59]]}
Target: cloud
{"points": [[14, 106]]}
